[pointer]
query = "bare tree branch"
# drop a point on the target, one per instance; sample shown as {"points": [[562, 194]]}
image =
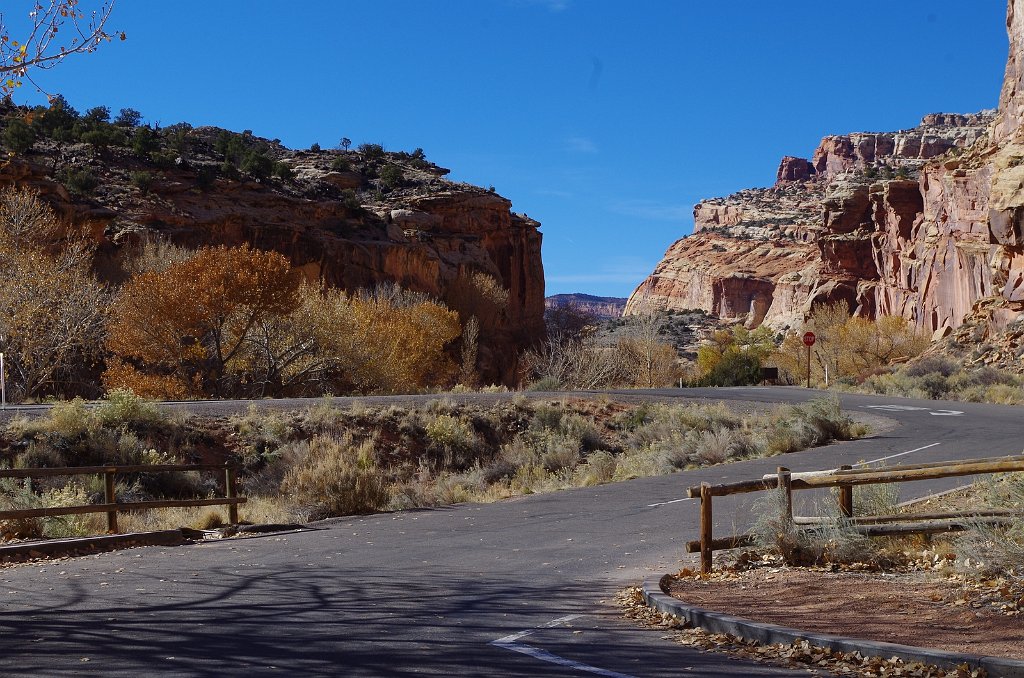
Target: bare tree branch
{"points": [[55, 30]]}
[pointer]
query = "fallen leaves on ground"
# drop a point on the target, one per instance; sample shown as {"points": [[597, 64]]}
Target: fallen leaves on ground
{"points": [[817, 660]]}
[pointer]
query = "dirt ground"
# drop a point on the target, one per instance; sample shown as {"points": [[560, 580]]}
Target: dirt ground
{"points": [[908, 608]]}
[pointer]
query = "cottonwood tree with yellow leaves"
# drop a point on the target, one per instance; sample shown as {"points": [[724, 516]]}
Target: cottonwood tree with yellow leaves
{"points": [[848, 347], [49, 32], [185, 332], [242, 322]]}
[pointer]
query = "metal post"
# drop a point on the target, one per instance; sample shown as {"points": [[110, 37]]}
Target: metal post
{"points": [[110, 499], [229, 491], [808, 367], [705, 528], [3, 383]]}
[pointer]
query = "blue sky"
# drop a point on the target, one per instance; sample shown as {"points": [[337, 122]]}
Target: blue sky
{"points": [[606, 121]]}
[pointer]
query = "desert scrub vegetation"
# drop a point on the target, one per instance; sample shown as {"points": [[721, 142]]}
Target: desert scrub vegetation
{"points": [[122, 430], [940, 378], [331, 461], [400, 458]]}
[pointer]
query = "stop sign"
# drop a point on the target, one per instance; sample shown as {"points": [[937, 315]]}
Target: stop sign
{"points": [[809, 338]]}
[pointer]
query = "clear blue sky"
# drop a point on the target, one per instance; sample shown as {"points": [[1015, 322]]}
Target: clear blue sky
{"points": [[606, 121]]}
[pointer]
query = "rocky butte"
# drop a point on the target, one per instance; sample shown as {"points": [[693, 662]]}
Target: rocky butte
{"points": [[351, 219], [923, 223], [603, 308]]}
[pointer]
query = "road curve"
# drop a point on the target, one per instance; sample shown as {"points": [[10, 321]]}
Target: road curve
{"points": [[516, 588]]}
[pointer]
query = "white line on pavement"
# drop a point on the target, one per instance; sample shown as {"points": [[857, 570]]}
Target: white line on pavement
{"points": [[510, 642], [674, 501], [893, 456]]}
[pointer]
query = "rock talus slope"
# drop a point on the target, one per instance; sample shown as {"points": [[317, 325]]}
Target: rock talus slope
{"points": [[923, 223]]}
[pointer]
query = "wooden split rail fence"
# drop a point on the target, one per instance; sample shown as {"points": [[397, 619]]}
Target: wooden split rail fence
{"points": [[111, 506], [845, 478]]}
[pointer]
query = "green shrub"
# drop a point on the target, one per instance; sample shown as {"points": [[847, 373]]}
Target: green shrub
{"points": [[206, 176], [18, 136], [142, 180], [391, 176], [736, 368], [128, 117], [283, 171], [371, 151], [79, 181], [340, 164], [257, 164], [145, 142], [97, 115]]}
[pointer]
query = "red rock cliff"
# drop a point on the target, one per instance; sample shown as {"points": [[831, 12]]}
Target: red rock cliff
{"points": [[423, 235], [924, 223]]}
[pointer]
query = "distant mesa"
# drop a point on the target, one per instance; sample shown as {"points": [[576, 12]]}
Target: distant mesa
{"points": [[602, 308]]}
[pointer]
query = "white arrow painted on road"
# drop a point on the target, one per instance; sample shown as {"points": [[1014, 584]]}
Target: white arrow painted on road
{"points": [[511, 642], [911, 408]]}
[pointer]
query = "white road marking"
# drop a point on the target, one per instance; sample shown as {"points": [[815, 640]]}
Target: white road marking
{"points": [[510, 642], [911, 408], [674, 501], [893, 456], [897, 408]]}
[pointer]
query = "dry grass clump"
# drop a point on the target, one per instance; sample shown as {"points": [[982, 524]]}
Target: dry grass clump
{"points": [[834, 541], [997, 549], [336, 477]]}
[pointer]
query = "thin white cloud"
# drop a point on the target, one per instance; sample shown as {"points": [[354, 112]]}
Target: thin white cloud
{"points": [[654, 211], [581, 145]]}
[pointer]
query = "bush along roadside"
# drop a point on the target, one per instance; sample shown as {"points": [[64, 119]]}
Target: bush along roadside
{"points": [[331, 461]]}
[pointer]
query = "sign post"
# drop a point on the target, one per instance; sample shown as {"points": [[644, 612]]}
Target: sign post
{"points": [[809, 340], [3, 383]]}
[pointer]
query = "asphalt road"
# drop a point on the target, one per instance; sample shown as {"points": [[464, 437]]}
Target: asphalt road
{"points": [[517, 588]]}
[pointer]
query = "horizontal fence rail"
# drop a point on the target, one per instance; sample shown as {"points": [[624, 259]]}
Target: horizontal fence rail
{"points": [[111, 506], [845, 478]]}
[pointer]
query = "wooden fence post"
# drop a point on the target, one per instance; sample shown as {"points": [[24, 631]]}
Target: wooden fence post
{"points": [[108, 477], [786, 485], [229, 491], [846, 496], [705, 528]]}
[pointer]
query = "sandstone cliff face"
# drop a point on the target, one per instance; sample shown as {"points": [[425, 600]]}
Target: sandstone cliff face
{"points": [[923, 223], [423, 235]]}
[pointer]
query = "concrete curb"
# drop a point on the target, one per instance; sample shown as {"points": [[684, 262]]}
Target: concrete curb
{"points": [[716, 622], [60, 547]]}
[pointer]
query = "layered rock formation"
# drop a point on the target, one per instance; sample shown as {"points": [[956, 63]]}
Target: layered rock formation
{"points": [[923, 223], [343, 226], [603, 308]]}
